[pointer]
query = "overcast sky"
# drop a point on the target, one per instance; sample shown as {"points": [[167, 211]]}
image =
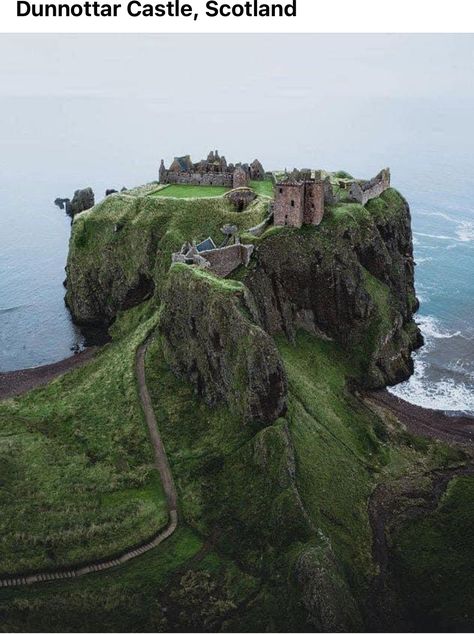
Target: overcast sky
{"points": [[116, 104], [178, 68]]}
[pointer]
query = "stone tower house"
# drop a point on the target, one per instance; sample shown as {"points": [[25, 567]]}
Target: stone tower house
{"points": [[298, 203]]}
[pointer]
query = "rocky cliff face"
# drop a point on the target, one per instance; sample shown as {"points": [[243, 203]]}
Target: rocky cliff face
{"points": [[120, 251], [350, 280], [83, 200], [211, 339]]}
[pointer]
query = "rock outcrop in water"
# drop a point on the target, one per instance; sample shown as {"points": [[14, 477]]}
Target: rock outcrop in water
{"points": [[64, 204]]}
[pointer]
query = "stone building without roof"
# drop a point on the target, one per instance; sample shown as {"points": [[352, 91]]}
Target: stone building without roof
{"points": [[211, 171], [220, 260], [298, 202]]}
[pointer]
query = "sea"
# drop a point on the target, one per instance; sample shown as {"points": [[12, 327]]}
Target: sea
{"points": [[56, 142]]}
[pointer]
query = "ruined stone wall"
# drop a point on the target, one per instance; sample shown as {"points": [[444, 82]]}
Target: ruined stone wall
{"points": [[288, 208], [197, 178], [313, 202], [260, 228], [363, 192], [224, 261]]}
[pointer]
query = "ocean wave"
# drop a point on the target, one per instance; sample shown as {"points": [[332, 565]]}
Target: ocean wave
{"points": [[434, 236], [422, 260], [448, 393], [432, 329], [13, 309], [438, 214], [422, 298], [464, 233], [445, 395]]}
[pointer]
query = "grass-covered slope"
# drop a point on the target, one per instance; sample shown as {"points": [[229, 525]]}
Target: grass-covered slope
{"points": [[433, 557], [120, 251], [76, 467], [276, 528]]}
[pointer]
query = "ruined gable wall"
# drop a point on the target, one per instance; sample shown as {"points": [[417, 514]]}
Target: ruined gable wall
{"points": [[365, 192], [240, 178]]}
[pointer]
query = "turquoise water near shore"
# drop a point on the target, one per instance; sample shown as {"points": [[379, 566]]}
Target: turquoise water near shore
{"points": [[102, 128], [443, 235]]}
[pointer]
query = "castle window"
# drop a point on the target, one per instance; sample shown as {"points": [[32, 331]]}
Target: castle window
{"points": [[281, 190], [292, 203]]}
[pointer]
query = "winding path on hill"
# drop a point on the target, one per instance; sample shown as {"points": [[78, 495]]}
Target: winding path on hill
{"points": [[162, 466]]}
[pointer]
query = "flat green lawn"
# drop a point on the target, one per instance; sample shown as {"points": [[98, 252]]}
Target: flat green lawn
{"points": [[262, 188], [191, 191]]}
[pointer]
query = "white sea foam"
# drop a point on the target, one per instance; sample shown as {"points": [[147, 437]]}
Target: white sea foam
{"points": [[431, 329], [446, 395], [465, 231], [423, 260]]}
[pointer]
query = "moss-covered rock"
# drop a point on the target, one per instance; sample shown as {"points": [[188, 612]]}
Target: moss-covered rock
{"points": [[120, 251], [325, 593], [350, 279], [210, 337]]}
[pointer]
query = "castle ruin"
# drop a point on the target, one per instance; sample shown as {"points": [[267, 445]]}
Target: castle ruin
{"points": [[211, 171], [298, 202], [299, 199], [363, 191], [221, 260]]}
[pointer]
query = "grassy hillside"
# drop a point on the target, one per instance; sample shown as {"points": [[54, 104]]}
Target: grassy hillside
{"points": [[242, 536], [433, 556], [76, 467], [121, 249], [274, 531]]}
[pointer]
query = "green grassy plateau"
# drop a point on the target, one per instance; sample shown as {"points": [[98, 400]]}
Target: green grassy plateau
{"points": [[191, 191]]}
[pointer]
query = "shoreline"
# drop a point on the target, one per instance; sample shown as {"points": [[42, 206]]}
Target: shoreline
{"points": [[419, 420], [423, 421], [17, 382]]}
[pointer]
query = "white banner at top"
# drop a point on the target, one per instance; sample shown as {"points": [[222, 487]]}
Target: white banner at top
{"points": [[229, 16]]}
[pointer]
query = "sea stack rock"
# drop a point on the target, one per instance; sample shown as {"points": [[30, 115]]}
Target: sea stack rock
{"points": [[64, 204], [83, 200]]}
